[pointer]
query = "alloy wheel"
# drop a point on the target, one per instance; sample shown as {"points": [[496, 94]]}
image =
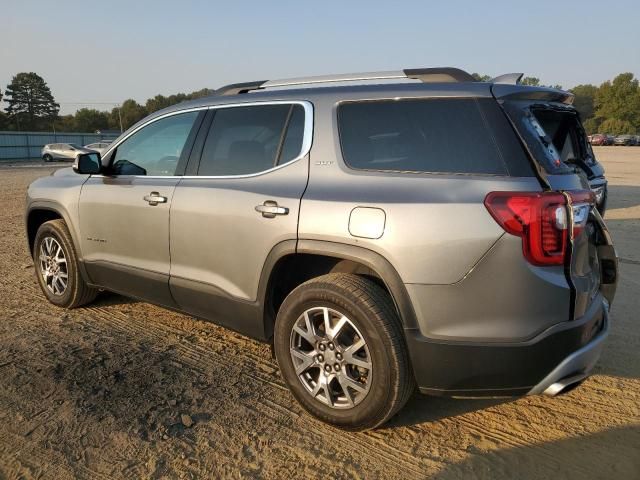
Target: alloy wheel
{"points": [[331, 357], [53, 266]]}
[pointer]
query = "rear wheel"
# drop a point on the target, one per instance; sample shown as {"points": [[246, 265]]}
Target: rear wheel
{"points": [[341, 350], [57, 268]]}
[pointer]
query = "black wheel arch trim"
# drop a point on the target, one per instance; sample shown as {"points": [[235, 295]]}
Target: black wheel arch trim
{"points": [[59, 210], [369, 258]]}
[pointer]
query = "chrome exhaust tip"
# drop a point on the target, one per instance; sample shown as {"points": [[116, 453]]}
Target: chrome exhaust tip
{"points": [[565, 385]]}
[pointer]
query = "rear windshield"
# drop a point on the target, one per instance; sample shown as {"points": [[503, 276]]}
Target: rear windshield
{"points": [[554, 135], [445, 135]]}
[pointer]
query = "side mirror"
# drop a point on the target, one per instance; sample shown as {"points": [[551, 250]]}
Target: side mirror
{"points": [[88, 163]]}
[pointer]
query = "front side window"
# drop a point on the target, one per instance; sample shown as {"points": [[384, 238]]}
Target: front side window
{"points": [[247, 140], [156, 148]]}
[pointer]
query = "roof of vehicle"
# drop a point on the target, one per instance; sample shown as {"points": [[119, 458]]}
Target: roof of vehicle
{"points": [[442, 82]]}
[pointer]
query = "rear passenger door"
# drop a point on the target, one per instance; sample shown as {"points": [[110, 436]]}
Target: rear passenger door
{"points": [[239, 199]]}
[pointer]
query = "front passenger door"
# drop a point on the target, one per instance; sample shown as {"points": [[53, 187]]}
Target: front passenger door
{"points": [[124, 214]]}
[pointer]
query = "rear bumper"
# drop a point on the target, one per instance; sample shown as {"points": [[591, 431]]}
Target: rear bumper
{"points": [[576, 367], [469, 369]]}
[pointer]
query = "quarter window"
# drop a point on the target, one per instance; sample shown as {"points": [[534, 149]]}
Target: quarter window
{"points": [[433, 135], [246, 140], [156, 148]]}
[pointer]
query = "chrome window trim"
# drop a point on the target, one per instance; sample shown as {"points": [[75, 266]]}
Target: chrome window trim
{"points": [[307, 137]]}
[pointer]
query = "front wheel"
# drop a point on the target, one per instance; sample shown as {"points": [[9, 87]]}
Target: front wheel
{"points": [[57, 268], [47, 158], [340, 347]]}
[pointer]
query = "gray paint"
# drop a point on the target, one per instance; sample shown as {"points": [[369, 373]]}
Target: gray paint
{"points": [[466, 279]]}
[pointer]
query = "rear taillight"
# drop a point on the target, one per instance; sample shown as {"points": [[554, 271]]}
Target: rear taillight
{"points": [[539, 218], [581, 203], [542, 220]]}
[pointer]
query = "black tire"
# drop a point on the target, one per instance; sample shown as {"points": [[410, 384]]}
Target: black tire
{"points": [[77, 292], [371, 310], [47, 158]]}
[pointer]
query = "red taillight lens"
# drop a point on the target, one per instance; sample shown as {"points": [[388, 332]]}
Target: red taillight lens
{"points": [[539, 218]]}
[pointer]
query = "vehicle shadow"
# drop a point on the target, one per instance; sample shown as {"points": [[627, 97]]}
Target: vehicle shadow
{"points": [[425, 409], [107, 299], [608, 454]]}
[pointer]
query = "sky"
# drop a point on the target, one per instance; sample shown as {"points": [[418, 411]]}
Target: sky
{"points": [[95, 53]]}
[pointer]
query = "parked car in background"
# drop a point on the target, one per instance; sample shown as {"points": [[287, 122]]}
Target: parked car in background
{"points": [[439, 234], [637, 139], [62, 151], [99, 147], [598, 139], [609, 139], [624, 140]]}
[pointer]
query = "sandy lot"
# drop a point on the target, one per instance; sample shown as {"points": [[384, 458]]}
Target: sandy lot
{"points": [[99, 392]]}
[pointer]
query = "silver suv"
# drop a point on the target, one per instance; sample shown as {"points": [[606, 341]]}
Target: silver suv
{"points": [[431, 231], [62, 151]]}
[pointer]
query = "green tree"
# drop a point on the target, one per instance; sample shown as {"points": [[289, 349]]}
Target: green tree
{"points": [[533, 81], [205, 92], [30, 102], [617, 126], [584, 100], [130, 112], [481, 78], [160, 101], [157, 103], [592, 125], [90, 120], [65, 123], [619, 100]]}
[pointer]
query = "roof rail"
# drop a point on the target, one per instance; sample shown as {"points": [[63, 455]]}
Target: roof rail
{"points": [[426, 75], [236, 88], [508, 78]]}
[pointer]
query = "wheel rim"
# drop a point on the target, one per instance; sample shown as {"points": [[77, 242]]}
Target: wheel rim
{"points": [[331, 358], [53, 266]]}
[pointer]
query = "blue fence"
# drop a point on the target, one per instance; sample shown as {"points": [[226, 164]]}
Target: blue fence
{"points": [[27, 145]]}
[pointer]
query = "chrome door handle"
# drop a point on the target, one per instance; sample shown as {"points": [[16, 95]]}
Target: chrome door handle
{"points": [[270, 209], [154, 198]]}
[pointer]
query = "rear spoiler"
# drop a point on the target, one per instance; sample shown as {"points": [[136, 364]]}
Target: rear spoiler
{"points": [[505, 91]]}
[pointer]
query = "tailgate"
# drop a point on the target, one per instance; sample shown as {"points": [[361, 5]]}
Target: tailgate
{"points": [[551, 131]]}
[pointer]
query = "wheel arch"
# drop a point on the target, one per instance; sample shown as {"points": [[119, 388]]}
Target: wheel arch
{"points": [[44, 211], [289, 265]]}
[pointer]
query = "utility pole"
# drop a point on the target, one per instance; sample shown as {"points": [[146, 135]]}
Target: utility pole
{"points": [[120, 117]]}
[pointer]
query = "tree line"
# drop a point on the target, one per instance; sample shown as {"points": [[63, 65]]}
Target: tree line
{"points": [[612, 107], [32, 107]]}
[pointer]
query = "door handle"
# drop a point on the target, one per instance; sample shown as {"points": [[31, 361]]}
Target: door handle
{"points": [[270, 209], [154, 198]]}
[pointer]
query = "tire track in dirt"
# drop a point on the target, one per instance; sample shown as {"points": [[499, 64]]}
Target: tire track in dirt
{"points": [[247, 424], [200, 355], [45, 461]]}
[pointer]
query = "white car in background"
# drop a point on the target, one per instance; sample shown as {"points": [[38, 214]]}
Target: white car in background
{"points": [[62, 151], [99, 147]]}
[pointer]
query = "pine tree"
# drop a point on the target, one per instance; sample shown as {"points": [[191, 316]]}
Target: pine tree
{"points": [[29, 100]]}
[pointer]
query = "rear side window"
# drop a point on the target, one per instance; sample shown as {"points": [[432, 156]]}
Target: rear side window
{"points": [[246, 140], [449, 135]]}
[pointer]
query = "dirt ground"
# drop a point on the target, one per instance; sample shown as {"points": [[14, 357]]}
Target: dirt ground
{"points": [[100, 392]]}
